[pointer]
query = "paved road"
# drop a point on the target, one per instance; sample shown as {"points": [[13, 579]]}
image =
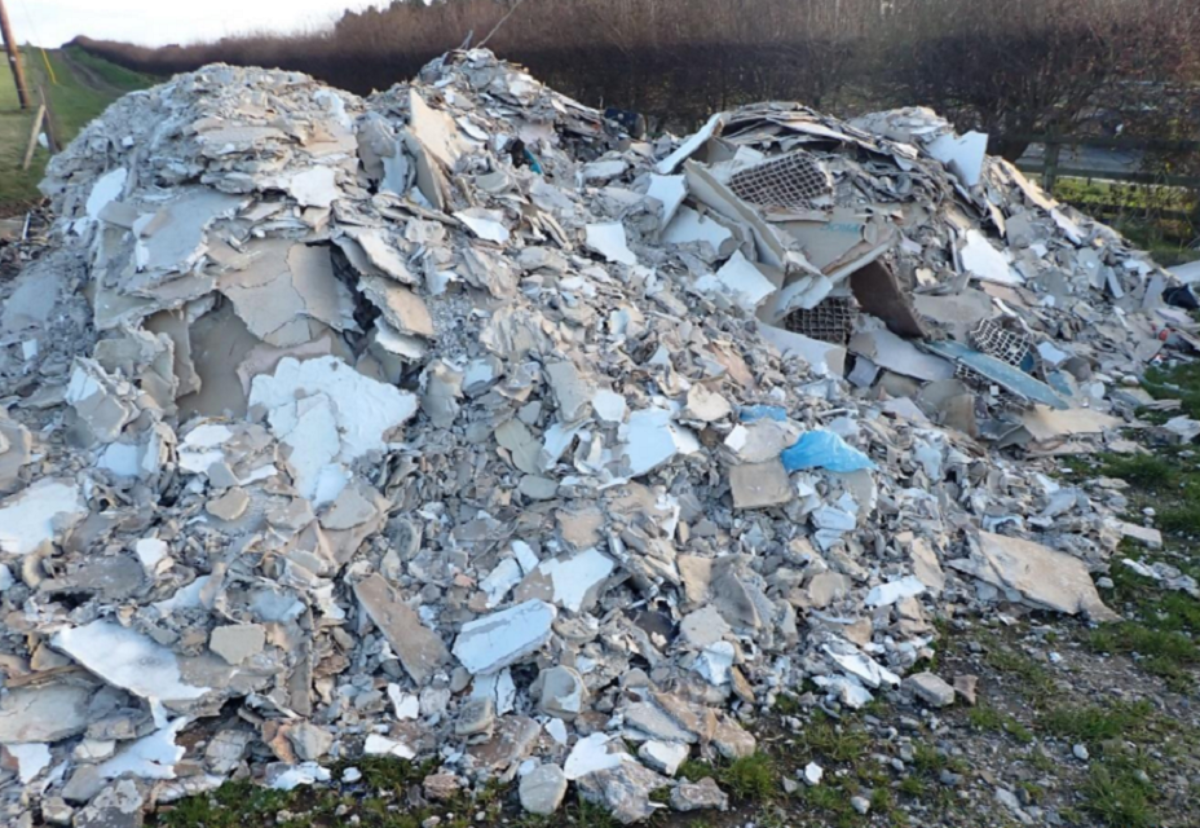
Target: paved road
{"points": [[1098, 159]]}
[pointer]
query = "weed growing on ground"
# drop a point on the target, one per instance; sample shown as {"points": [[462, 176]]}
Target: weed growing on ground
{"points": [[751, 777], [1097, 724]]}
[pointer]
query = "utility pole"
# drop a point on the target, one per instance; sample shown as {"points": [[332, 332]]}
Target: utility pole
{"points": [[14, 58]]}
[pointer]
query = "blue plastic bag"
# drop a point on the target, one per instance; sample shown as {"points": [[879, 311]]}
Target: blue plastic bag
{"points": [[752, 413], [823, 449]]}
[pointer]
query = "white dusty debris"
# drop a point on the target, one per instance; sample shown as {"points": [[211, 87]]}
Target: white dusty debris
{"points": [[338, 427]]}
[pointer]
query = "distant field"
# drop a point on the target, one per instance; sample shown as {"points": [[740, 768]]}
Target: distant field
{"points": [[85, 86]]}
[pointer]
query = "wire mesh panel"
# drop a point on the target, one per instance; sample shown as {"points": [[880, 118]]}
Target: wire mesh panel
{"points": [[995, 340], [831, 321], [794, 182]]}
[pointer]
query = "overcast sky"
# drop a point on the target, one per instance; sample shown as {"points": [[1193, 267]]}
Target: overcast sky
{"points": [[156, 22]]}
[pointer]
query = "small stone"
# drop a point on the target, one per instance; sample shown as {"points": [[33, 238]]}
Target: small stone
{"points": [[702, 795], [1008, 799], [965, 686], [860, 804], [542, 789], [664, 757], [56, 811], [477, 717], [813, 773], [309, 741], [1081, 752], [562, 693], [930, 689], [441, 787], [351, 775], [84, 784], [117, 806], [229, 506], [237, 642]]}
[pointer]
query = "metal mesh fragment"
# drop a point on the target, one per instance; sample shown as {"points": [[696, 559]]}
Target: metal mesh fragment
{"points": [[1000, 397], [993, 339], [793, 182], [831, 321]]}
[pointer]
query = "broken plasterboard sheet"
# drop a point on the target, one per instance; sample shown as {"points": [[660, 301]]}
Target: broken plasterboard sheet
{"points": [[573, 581], [173, 239], [960, 313], [669, 191], [127, 659], [108, 187], [220, 342], [486, 224], [285, 284], [1043, 577], [825, 358], [963, 155], [983, 261], [847, 242], [690, 227], [419, 649], [101, 401], [889, 351], [493, 642], [760, 485], [771, 247], [352, 418], [878, 293], [315, 187], [371, 254], [651, 440], [739, 279], [44, 512], [436, 130], [153, 756], [404, 311], [691, 146], [16, 450], [1044, 423], [1006, 376], [609, 241]]}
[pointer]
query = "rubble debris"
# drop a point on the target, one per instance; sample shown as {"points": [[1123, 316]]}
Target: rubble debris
{"points": [[699, 796], [543, 789], [930, 689], [322, 411], [1036, 574]]}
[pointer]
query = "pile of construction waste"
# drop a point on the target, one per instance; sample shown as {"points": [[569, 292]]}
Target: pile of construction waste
{"points": [[455, 424]]}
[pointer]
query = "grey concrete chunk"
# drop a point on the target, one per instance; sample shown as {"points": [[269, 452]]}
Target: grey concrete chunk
{"points": [[419, 649]]}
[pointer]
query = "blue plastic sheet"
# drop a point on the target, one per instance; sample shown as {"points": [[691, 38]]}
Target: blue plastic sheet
{"points": [[821, 449], [751, 413]]}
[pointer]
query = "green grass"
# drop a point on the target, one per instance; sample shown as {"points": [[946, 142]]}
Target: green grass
{"points": [[1117, 795], [834, 742], [1149, 216], [17, 187], [751, 777], [1180, 382], [986, 717], [1030, 678], [74, 104], [1096, 724], [1082, 193], [119, 77]]}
